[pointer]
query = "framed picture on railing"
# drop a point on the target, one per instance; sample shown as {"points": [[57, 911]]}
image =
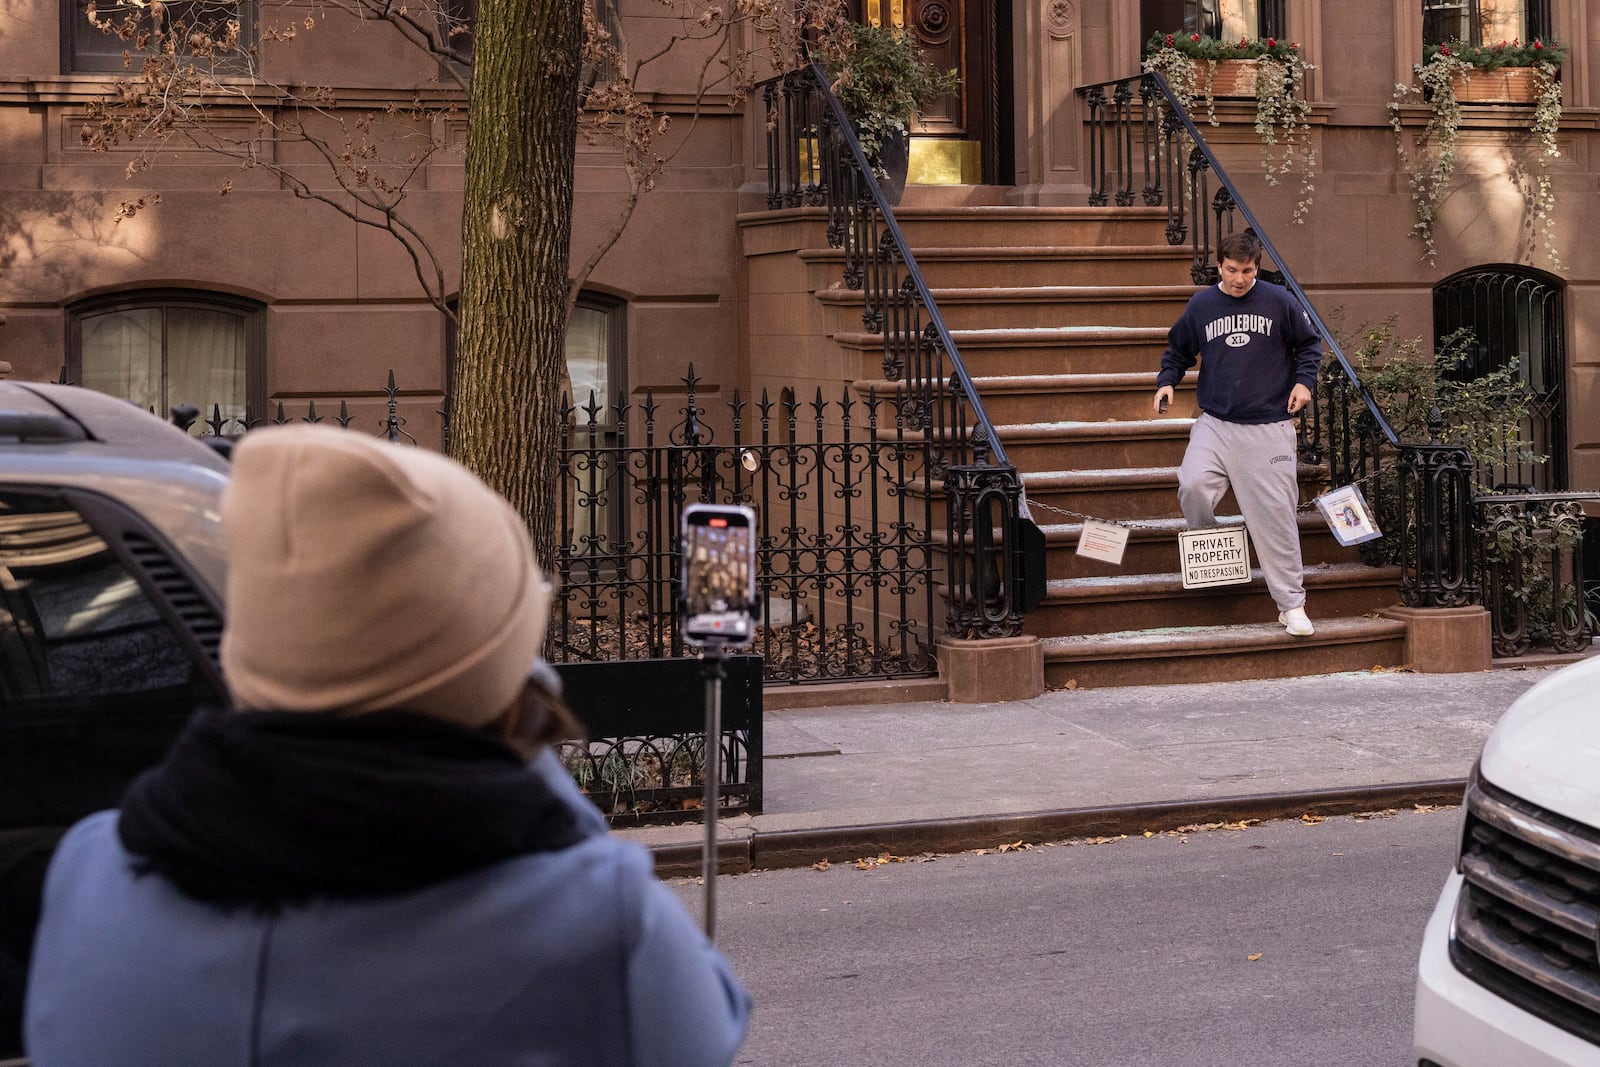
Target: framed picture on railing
{"points": [[1346, 512]]}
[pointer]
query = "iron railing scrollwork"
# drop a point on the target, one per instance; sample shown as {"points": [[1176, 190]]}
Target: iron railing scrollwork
{"points": [[814, 159], [1437, 555], [844, 559], [1533, 573]]}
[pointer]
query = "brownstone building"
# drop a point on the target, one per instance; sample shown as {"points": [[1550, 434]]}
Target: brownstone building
{"points": [[258, 297]]}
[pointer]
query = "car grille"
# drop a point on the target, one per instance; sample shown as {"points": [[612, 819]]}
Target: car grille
{"points": [[1529, 913]]}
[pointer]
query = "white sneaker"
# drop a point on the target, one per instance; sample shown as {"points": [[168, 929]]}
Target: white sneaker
{"points": [[1294, 620]]}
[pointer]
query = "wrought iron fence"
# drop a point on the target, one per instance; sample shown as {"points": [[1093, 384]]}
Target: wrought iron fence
{"points": [[1533, 573], [845, 560], [815, 160], [847, 564]]}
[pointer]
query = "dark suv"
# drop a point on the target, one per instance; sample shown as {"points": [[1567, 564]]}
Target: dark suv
{"points": [[111, 572]]}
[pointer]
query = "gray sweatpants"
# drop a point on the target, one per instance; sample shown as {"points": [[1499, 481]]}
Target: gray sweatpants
{"points": [[1259, 462]]}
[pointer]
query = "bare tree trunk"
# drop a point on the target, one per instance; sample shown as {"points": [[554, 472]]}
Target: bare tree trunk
{"points": [[505, 407]]}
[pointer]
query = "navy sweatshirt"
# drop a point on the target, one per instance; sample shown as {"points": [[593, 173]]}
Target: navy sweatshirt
{"points": [[1255, 348]]}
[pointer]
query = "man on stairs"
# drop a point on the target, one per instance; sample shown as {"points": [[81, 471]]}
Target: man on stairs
{"points": [[1258, 364]]}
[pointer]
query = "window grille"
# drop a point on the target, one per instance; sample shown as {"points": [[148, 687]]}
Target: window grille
{"points": [[1514, 314]]}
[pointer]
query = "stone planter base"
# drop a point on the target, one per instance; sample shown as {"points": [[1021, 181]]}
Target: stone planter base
{"points": [[1508, 85], [1444, 640], [983, 672]]}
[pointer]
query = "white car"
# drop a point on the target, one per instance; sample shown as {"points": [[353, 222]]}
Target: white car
{"points": [[1509, 974]]}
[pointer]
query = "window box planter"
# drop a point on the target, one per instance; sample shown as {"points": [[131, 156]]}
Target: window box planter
{"points": [[1508, 85], [1231, 79]]}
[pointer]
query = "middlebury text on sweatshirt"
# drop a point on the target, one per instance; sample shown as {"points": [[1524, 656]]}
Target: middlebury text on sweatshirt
{"points": [[1254, 349]]}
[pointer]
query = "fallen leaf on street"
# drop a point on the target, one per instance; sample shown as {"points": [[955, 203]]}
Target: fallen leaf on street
{"points": [[1385, 813], [1253, 956], [1310, 819], [821, 865], [866, 863], [1015, 846]]}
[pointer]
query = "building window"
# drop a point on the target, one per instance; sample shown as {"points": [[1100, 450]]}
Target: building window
{"points": [[457, 19], [1514, 314], [592, 507], [1485, 21], [1225, 20], [597, 490], [123, 31], [163, 349]]}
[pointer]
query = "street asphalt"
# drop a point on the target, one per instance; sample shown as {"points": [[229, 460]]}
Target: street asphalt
{"points": [[845, 782]]}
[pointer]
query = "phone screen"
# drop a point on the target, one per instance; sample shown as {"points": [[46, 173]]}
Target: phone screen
{"points": [[719, 553]]}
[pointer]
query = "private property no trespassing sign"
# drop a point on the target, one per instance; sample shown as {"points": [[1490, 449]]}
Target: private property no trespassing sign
{"points": [[1216, 556]]}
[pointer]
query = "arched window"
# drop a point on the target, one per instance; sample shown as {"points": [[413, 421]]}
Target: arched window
{"points": [[162, 348], [1514, 313]]}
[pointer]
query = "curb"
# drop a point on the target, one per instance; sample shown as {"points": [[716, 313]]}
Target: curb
{"points": [[778, 849]]}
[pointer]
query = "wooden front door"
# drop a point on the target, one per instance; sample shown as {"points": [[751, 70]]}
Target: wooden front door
{"points": [[967, 36]]}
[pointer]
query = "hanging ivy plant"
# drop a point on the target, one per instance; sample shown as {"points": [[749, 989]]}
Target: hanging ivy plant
{"points": [[1188, 62], [1444, 68]]}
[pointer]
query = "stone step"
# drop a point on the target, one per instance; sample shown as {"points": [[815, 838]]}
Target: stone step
{"points": [[1058, 446], [1179, 654], [1044, 350], [1129, 493], [1079, 397], [1020, 307], [965, 226], [1024, 265], [1114, 603]]}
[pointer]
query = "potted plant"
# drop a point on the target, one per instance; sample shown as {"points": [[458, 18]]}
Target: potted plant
{"points": [[1270, 71], [884, 80], [1455, 73]]}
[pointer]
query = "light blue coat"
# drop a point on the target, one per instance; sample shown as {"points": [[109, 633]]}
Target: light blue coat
{"points": [[571, 957]]}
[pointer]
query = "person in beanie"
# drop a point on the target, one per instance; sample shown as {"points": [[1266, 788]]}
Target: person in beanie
{"points": [[357, 864]]}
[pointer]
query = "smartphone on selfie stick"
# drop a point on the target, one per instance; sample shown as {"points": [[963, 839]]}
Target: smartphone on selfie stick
{"points": [[717, 608]]}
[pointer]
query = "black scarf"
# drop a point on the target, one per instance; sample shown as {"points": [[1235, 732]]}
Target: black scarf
{"points": [[262, 808]]}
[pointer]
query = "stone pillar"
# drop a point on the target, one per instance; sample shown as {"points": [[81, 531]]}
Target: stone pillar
{"points": [[985, 672], [1445, 640]]}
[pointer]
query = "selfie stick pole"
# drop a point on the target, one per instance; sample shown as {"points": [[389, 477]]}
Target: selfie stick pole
{"points": [[714, 664]]}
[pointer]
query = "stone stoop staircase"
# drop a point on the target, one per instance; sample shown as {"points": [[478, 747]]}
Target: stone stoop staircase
{"points": [[1061, 315]]}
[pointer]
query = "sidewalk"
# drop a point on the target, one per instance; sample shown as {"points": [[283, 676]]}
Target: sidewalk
{"points": [[851, 781]]}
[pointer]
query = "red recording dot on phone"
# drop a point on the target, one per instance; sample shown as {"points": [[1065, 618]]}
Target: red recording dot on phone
{"points": [[719, 523]]}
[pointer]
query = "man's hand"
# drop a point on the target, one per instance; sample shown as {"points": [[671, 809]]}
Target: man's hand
{"points": [[1163, 398], [1299, 397]]}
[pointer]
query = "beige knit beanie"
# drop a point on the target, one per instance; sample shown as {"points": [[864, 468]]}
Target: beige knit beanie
{"points": [[364, 575]]}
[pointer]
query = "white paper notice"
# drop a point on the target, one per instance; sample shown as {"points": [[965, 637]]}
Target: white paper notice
{"points": [[1104, 541], [1217, 556]]}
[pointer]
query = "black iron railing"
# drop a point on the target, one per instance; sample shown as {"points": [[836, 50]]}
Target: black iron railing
{"points": [[815, 160], [1144, 146], [1533, 571], [1456, 542], [844, 559]]}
